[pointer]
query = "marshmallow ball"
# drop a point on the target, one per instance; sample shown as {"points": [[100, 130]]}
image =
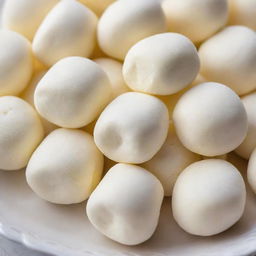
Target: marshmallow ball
{"points": [[73, 92], [66, 167], [20, 132], [97, 6], [132, 128], [161, 64], [220, 61], [25, 16], [196, 19], [208, 197], [124, 23], [251, 171], [210, 119], [16, 63], [242, 12], [126, 204], [245, 149], [113, 69], [170, 161], [68, 30]]}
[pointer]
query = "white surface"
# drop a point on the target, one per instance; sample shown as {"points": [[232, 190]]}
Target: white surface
{"points": [[66, 231]]}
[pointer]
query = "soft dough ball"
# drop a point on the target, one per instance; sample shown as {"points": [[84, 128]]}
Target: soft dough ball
{"points": [[242, 12], [251, 171], [210, 119], [196, 19], [16, 63], [245, 149], [113, 69], [124, 23], [161, 64], [170, 161], [126, 204], [208, 197], [229, 57], [20, 132], [25, 16], [68, 30], [66, 167], [97, 6], [132, 128], [73, 92]]}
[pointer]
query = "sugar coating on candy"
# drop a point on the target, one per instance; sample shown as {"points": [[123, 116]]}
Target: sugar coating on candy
{"points": [[208, 197], [132, 128], [126, 204], [66, 167], [161, 64]]}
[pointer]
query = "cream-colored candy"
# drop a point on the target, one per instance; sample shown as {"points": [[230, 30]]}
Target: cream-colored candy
{"points": [[170, 161], [25, 16], [16, 63], [245, 149], [196, 19], [68, 30], [210, 119], [126, 204], [73, 92], [208, 197], [220, 61], [28, 95], [66, 167], [98, 6], [161, 64], [124, 23], [132, 128], [20, 132], [242, 12], [251, 171], [113, 69]]}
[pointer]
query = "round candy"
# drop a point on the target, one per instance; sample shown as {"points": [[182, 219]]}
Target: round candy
{"points": [[196, 19], [66, 167], [132, 128], [210, 119], [97, 6], [126, 204], [220, 61], [124, 23], [20, 132], [68, 30], [25, 16], [208, 197], [251, 171], [161, 64], [73, 92], [16, 63]]}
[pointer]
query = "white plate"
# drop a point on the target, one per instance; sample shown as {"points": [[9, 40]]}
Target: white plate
{"points": [[66, 231]]}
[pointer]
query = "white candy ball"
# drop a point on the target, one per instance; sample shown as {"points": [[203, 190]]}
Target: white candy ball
{"points": [[68, 30], [210, 119], [170, 161], [126, 204], [113, 69], [251, 171], [124, 23], [132, 128], [73, 92], [161, 64], [16, 63], [196, 19], [208, 197], [25, 16], [245, 149], [20, 132], [97, 6], [220, 61], [242, 12], [66, 167]]}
